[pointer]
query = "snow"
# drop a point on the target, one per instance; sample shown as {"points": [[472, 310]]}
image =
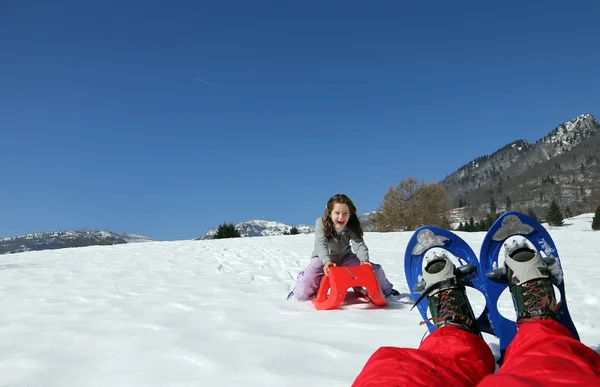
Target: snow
{"points": [[252, 228], [564, 135], [519, 148], [214, 312], [130, 238]]}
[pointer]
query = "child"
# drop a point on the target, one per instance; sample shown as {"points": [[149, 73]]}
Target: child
{"points": [[334, 231]]}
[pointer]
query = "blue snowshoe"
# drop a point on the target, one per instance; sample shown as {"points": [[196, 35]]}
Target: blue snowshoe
{"points": [[468, 272], [542, 264]]}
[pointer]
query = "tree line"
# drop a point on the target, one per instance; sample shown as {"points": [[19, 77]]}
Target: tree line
{"points": [[228, 230], [413, 203]]}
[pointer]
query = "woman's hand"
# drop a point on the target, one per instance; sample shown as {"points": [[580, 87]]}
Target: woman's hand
{"points": [[366, 263], [326, 266]]}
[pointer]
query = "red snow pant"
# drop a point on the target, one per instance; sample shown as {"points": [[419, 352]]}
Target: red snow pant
{"points": [[543, 353]]}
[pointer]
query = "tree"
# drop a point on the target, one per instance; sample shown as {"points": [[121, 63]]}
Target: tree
{"points": [[568, 212], [226, 231], [489, 220], [554, 215], [293, 231], [431, 207], [531, 213], [596, 220], [412, 204], [492, 206], [396, 210], [508, 203]]}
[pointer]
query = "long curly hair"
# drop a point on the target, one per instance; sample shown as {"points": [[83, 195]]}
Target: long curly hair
{"points": [[353, 222]]}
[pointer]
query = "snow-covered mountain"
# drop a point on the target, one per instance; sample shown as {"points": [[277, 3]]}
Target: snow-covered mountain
{"points": [[564, 166], [252, 228], [62, 239], [365, 221]]}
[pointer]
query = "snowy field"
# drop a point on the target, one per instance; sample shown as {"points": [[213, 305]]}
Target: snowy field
{"points": [[214, 313]]}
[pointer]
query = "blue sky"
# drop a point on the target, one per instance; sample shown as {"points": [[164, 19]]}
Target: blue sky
{"points": [[168, 118]]}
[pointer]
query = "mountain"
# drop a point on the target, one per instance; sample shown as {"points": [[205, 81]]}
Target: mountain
{"points": [[365, 221], [563, 166], [63, 239], [252, 228]]}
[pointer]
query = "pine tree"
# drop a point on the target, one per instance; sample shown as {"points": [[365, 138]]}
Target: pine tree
{"points": [[492, 206], [596, 220], [489, 220], [554, 215], [294, 231], [568, 212], [531, 213], [508, 203], [226, 231]]}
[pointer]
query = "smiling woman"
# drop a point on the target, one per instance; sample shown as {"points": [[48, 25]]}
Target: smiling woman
{"points": [[338, 242]]}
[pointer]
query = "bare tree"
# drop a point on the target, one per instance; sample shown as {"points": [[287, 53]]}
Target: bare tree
{"points": [[397, 210], [431, 207], [412, 204]]}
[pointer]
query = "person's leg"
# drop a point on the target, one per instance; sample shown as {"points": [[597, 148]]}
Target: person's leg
{"points": [[385, 285], [308, 281], [453, 355], [450, 356], [543, 352]]}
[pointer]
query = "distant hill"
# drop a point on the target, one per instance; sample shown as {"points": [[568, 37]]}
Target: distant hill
{"points": [[365, 221], [563, 166], [253, 228], [63, 239]]}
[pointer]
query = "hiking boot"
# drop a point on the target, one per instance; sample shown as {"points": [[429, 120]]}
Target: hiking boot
{"points": [[530, 284], [446, 296], [362, 292]]}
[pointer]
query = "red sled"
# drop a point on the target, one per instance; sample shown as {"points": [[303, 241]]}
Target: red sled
{"points": [[333, 288]]}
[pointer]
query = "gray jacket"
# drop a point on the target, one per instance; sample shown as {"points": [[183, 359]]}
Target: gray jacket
{"points": [[337, 248]]}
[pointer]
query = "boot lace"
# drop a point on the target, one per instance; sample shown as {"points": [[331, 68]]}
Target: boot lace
{"points": [[537, 302], [446, 311]]}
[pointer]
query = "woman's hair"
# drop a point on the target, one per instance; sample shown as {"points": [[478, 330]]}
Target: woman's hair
{"points": [[353, 222]]}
